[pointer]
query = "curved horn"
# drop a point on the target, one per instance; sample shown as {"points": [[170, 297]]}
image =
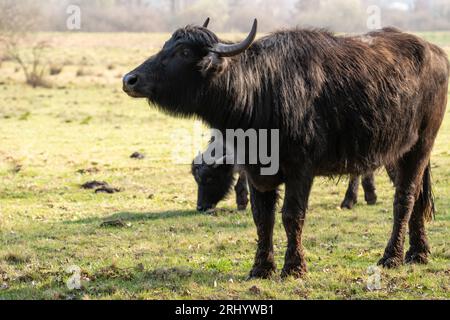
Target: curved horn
{"points": [[230, 50], [206, 24]]}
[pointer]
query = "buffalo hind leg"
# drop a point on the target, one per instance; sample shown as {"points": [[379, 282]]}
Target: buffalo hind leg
{"points": [[351, 196], [370, 191], [409, 176], [263, 208], [241, 190], [424, 206], [294, 213], [423, 211]]}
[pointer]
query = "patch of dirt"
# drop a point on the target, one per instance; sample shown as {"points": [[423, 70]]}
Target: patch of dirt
{"points": [[25, 278], [167, 274], [108, 190], [255, 290], [13, 258], [17, 168], [94, 185], [113, 272], [140, 268], [119, 223], [88, 171], [137, 156], [100, 187]]}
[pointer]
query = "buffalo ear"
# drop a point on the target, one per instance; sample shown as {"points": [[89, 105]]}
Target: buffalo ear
{"points": [[213, 65]]}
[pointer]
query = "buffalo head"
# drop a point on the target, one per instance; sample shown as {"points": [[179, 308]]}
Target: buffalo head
{"points": [[188, 60], [213, 181]]}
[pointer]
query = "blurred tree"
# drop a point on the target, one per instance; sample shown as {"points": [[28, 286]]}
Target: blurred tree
{"points": [[421, 5], [17, 21], [236, 15], [173, 6], [196, 12], [307, 5], [341, 15]]}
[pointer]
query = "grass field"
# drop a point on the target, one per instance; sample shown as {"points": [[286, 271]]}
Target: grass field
{"points": [[84, 128]]}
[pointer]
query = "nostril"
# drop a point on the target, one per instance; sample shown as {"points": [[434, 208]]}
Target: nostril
{"points": [[131, 80]]}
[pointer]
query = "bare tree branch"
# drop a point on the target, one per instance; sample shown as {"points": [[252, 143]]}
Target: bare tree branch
{"points": [[17, 21]]}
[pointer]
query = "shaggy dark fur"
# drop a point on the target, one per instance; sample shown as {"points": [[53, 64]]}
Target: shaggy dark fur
{"points": [[343, 105]]}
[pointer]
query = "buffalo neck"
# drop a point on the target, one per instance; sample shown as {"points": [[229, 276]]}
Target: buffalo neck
{"points": [[273, 85], [235, 98]]}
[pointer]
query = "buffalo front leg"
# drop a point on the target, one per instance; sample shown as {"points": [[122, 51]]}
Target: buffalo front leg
{"points": [[351, 197], [294, 213], [263, 208]]}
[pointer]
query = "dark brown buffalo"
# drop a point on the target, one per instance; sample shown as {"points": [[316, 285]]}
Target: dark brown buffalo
{"points": [[343, 105], [215, 182]]}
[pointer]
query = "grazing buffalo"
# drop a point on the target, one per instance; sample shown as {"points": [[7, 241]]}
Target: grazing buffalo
{"points": [[342, 105], [215, 181]]}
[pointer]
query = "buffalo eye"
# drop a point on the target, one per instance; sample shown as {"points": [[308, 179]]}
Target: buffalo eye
{"points": [[186, 53]]}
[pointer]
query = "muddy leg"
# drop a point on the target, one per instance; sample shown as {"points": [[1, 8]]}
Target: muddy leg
{"points": [[409, 177], [294, 213], [351, 197], [263, 207], [423, 211]]}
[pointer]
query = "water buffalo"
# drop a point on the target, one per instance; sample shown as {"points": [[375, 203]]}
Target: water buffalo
{"points": [[343, 105], [215, 181]]}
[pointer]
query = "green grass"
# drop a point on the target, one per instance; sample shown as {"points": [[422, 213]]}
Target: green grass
{"points": [[165, 250]]}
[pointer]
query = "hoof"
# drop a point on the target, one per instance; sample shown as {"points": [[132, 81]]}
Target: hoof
{"points": [[348, 204], [391, 262], [413, 257], [371, 199], [297, 272], [262, 272]]}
